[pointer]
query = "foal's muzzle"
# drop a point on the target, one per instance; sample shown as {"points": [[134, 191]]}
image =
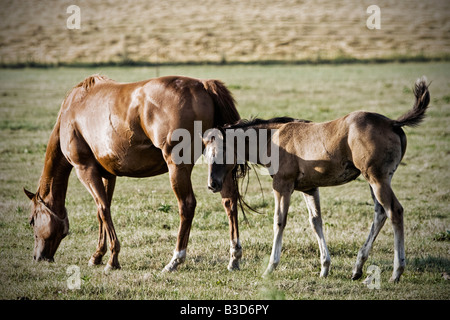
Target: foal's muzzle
{"points": [[215, 186]]}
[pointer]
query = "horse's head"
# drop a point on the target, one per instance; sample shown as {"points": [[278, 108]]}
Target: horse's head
{"points": [[215, 153], [49, 228]]}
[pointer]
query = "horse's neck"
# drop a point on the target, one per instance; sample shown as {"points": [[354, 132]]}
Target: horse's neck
{"points": [[55, 175]]}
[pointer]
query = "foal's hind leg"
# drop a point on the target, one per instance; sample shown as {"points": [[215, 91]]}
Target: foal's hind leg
{"points": [[386, 197], [313, 203], [378, 221], [109, 184]]}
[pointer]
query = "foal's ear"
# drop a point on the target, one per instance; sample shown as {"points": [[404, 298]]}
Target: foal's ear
{"points": [[210, 135], [29, 194]]}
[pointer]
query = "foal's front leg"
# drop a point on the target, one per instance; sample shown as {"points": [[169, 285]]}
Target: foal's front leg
{"points": [[229, 202], [282, 199], [312, 200]]}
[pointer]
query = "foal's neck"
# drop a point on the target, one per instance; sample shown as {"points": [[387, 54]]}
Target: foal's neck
{"points": [[55, 175], [264, 134]]}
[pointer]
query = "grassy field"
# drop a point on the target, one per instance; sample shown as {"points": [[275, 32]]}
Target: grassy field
{"points": [[145, 211]]}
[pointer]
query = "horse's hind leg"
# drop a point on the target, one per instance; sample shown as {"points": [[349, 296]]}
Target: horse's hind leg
{"points": [[96, 259], [378, 221], [312, 199], [386, 197]]}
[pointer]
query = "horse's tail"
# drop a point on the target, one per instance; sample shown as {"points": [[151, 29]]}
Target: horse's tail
{"points": [[225, 111], [415, 116]]}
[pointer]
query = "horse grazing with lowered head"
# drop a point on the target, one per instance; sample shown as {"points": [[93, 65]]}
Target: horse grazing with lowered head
{"points": [[107, 129], [313, 155]]}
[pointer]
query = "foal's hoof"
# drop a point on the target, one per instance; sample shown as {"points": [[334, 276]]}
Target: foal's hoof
{"points": [[233, 266], [356, 275], [268, 272]]}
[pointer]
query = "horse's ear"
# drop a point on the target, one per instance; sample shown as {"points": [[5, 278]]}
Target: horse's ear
{"points": [[29, 194]]}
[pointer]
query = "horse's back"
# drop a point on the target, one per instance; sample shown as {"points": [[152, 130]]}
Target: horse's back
{"points": [[124, 125]]}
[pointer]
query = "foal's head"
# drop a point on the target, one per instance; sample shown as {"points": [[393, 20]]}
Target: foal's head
{"points": [[49, 228], [215, 153]]}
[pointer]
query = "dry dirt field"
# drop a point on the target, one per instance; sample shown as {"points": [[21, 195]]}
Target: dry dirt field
{"points": [[172, 31]]}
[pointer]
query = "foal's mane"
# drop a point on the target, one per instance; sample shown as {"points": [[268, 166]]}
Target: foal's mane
{"points": [[248, 123], [241, 170]]}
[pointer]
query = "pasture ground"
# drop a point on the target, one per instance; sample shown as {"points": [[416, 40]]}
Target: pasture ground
{"points": [[145, 211]]}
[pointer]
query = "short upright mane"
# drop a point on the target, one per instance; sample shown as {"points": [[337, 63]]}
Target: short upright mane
{"points": [[90, 81], [86, 85], [245, 123]]}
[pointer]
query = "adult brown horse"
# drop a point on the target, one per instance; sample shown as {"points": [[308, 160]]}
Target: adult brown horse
{"points": [[107, 129]]}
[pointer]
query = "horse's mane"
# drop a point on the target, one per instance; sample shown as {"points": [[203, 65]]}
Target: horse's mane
{"points": [[86, 85], [90, 81]]}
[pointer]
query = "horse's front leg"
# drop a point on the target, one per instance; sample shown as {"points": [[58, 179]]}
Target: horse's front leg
{"points": [[229, 201], [313, 203], [282, 193], [180, 179], [91, 178]]}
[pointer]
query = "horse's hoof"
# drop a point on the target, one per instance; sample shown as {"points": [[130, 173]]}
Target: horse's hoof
{"points": [[169, 268], [94, 262], [109, 268]]}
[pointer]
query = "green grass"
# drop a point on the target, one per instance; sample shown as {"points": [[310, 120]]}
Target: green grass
{"points": [[145, 210]]}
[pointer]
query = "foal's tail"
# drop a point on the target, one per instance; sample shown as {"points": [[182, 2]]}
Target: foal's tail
{"points": [[225, 111], [416, 115]]}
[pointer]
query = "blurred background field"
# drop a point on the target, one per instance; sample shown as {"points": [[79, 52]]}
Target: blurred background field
{"points": [[171, 31]]}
